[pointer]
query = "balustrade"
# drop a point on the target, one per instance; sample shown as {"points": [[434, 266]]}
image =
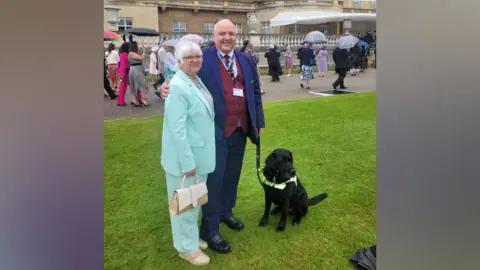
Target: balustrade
{"points": [[266, 40]]}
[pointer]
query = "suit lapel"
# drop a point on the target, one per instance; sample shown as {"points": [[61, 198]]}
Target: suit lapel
{"points": [[215, 68], [202, 97], [197, 93], [244, 67]]}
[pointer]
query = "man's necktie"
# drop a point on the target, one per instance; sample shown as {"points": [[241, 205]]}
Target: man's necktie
{"points": [[227, 62]]}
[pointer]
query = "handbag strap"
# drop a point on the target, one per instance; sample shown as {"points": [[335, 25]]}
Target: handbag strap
{"points": [[183, 180]]}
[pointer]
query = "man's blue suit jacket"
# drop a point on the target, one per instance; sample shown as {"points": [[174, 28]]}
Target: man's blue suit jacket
{"points": [[210, 75]]}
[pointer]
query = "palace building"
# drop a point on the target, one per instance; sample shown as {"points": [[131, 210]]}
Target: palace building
{"points": [[199, 16]]}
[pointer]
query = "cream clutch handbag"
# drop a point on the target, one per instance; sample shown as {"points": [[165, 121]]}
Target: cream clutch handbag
{"points": [[187, 198]]}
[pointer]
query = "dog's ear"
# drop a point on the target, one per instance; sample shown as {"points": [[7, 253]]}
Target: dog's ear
{"points": [[269, 169], [270, 160]]}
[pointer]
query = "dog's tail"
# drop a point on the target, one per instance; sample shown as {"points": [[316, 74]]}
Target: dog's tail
{"points": [[317, 199]]}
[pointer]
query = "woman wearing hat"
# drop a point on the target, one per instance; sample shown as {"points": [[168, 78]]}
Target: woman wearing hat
{"points": [[153, 63]]}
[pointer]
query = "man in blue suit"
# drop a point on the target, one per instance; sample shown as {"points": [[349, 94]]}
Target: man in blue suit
{"points": [[234, 84]]}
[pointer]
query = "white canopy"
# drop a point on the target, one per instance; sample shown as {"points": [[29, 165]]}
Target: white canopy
{"points": [[317, 17]]}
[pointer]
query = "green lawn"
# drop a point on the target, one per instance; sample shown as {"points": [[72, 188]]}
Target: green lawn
{"points": [[334, 143]]}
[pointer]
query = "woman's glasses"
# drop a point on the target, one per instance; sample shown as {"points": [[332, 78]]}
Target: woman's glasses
{"points": [[193, 57]]}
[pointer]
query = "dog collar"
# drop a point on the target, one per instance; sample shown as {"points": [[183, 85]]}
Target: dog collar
{"points": [[281, 186]]}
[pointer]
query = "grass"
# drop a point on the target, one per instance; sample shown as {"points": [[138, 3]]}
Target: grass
{"points": [[334, 144]]}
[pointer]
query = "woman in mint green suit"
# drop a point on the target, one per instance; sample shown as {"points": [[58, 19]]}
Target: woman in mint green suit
{"points": [[188, 145]]}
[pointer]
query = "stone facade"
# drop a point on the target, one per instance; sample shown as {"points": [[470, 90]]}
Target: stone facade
{"points": [[141, 14], [195, 20], [360, 6], [160, 14]]}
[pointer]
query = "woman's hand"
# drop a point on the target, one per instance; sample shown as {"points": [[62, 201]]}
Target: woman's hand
{"points": [[165, 89], [191, 173]]}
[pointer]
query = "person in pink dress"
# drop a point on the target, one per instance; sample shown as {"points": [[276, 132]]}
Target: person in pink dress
{"points": [[322, 56], [123, 70], [288, 60]]}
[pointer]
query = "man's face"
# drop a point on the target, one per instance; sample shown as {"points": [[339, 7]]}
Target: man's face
{"points": [[225, 37]]}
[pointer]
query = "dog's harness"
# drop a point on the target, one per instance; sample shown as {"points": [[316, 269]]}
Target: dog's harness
{"points": [[264, 181]]}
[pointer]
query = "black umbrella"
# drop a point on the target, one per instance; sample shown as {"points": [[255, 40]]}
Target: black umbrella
{"points": [[365, 258], [143, 32]]}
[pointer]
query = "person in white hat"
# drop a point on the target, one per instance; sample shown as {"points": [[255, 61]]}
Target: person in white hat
{"points": [[153, 63]]}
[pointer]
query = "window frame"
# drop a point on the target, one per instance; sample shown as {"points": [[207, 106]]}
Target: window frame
{"points": [[239, 29], [124, 25], [265, 28], [356, 4], [175, 29], [210, 25]]}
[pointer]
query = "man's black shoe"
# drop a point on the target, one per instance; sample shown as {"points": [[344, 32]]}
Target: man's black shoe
{"points": [[218, 244], [234, 223]]}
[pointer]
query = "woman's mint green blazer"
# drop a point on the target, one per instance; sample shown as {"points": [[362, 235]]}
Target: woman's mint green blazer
{"points": [[188, 140]]}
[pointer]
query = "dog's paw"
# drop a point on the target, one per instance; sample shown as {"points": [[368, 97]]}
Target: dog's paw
{"points": [[296, 221], [263, 222], [280, 227]]}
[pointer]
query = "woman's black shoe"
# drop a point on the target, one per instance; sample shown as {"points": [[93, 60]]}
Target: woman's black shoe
{"points": [[143, 104], [133, 104]]}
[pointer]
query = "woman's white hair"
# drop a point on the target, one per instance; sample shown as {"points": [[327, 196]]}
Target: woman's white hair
{"points": [[184, 48]]}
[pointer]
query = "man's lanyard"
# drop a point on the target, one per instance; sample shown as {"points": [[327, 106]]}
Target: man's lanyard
{"points": [[228, 66]]}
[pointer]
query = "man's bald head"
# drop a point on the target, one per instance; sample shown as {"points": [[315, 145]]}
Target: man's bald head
{"points": [[221, 24], [225, 35]]}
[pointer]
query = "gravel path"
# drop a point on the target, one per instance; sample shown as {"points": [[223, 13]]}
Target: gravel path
{"points": [[288, 88]]}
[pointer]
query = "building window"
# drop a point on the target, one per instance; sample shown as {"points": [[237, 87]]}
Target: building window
{"points": [[266, 29], [208, 27], [124, 24], [356, 4], [292, 29], [373, 5], [179, 27], [239, 28]]}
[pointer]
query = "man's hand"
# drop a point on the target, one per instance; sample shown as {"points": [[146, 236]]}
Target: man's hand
{"points": [[260, 131], [164, 90]]}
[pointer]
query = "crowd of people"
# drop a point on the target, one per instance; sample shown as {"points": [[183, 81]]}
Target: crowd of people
{"points": [[124, 68], [310, 55]]}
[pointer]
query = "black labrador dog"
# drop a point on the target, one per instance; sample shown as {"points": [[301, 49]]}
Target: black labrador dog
{"points": [[288, 193]]}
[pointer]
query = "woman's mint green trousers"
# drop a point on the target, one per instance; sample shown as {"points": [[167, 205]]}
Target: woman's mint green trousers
{"points": [[184, 226]]}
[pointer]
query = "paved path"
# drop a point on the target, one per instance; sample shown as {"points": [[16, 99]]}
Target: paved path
{"points": [[288, 88]]}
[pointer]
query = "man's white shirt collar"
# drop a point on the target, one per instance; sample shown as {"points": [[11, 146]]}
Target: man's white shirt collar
{"points": [[231, 54], [223, 54]]}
